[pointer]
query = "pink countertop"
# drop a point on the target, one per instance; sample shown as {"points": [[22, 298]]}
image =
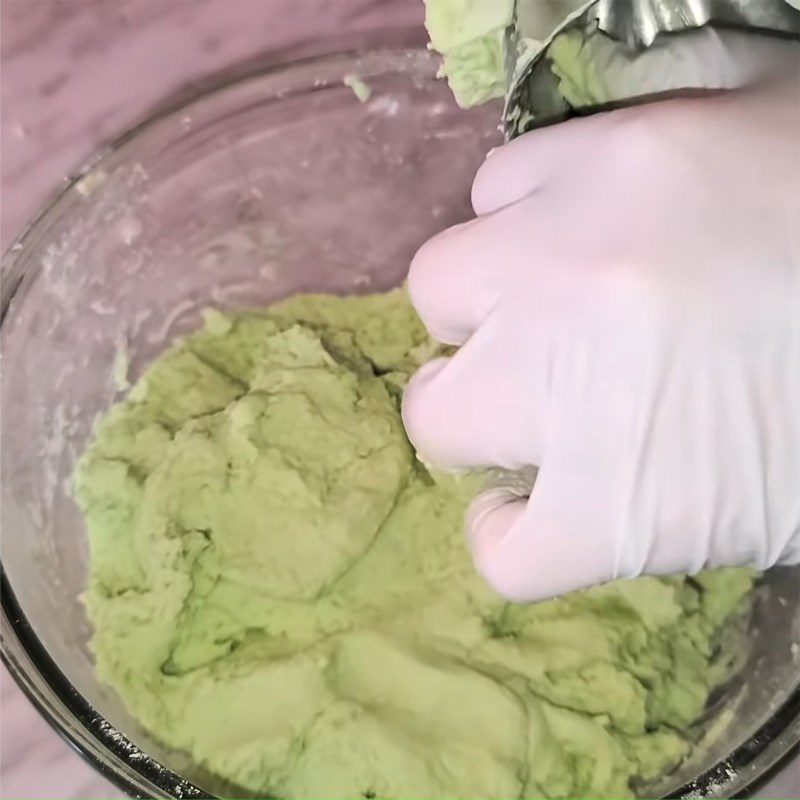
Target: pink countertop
{"points": [[77, 72]]}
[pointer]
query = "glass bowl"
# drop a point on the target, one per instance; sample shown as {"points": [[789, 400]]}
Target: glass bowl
{"points": [[269, 184]]}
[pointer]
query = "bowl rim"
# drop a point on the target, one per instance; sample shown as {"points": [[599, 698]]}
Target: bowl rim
{"points": [[152, 771], [764, 753]]}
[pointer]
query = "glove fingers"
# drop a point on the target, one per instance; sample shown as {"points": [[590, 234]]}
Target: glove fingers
{"points": [[567, 534], [471, 411], [532, 549], [524, 165], [456, 278]]}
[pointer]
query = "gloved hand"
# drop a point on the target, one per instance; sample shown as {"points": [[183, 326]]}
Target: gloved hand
{"points": [[628, 308]]}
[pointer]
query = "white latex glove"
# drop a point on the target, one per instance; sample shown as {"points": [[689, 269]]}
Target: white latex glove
{"points": [[628, 305]]}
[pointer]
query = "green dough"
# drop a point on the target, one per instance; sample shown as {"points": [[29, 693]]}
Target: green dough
{"points": [[281, 589], [469, 34]]}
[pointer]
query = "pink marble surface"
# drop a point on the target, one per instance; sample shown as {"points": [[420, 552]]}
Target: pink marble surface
{"points": [[74, 74], [77, 72]]}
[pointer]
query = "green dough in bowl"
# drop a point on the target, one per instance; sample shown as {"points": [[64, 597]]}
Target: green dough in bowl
{"points": [[281, 589]]}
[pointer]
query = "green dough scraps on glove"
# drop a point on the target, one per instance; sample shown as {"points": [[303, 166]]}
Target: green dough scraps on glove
{"points": [[281, 589], [469, 35]]}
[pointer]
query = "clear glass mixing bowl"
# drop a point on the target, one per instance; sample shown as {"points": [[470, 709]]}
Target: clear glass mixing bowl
{"points": [[267, 185]]}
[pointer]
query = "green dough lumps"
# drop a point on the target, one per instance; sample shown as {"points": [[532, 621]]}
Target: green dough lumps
{"points": [[469, 35], [281, 589]]}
